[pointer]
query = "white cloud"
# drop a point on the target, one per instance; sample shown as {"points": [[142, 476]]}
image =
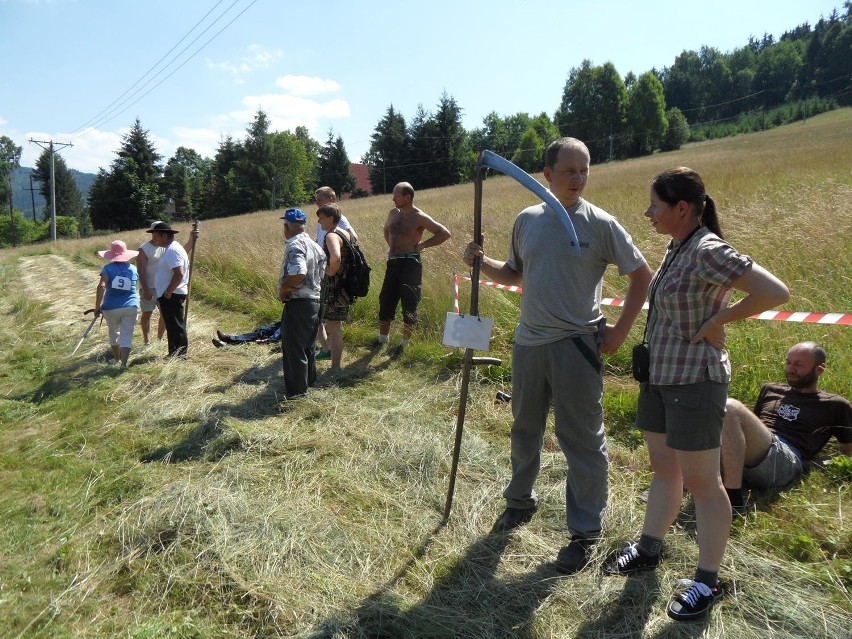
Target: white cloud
{"points": [[306, 85], [286, 112], [93, 149], [257, 57], [204, 141]]}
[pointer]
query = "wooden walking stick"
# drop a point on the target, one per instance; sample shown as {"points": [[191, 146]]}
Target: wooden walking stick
{"points": [[189, 277]]}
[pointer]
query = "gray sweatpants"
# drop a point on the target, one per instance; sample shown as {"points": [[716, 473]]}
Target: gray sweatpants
{"points": [[559, 372]]}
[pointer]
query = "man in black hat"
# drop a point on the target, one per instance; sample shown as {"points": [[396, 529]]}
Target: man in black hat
{"points": [[299, 288], [172, 283]]}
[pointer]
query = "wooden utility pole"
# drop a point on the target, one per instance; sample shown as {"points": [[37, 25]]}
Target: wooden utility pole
{"points": [[52, 147], [32, 196]]}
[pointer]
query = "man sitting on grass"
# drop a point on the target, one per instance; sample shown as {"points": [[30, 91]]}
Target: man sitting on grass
{"points": [[790, 425]]}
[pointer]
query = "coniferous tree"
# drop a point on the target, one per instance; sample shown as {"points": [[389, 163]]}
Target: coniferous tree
{"points": [[222, 196], [69, 200], [128, 196], [254, 170], [335, 169], [389, 152], [420, 169], [448, 145]]}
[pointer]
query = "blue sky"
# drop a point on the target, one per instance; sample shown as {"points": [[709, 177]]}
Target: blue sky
{"points": [[74, 70]]}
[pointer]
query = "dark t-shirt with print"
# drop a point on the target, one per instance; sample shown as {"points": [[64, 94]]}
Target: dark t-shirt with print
{"points": [[806, 420]]}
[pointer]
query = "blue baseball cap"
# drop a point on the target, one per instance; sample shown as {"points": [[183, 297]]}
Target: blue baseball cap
{"points": [[296, 216]]}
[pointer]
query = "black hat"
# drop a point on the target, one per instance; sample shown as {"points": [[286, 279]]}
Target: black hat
{"points": [[161, 227]]}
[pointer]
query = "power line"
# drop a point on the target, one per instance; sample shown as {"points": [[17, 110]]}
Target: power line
{"points": [[113, 114], [144, 75]]}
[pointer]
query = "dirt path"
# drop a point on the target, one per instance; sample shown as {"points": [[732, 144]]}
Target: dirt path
{"points": [[68, 289]]}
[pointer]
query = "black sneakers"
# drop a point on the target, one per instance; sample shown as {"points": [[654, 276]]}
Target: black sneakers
{"points": [[512, 518], [575, 556], [630, 561], [693, 600]]}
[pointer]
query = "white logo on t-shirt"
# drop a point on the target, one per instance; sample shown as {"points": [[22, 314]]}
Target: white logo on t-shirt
{"points": [[788, 412]]}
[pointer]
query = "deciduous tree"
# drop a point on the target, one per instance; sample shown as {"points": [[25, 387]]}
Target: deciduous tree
{"points": [[646, 115]]}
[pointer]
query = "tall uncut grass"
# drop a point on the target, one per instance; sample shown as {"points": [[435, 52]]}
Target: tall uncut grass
{"points": [[188, 499]]}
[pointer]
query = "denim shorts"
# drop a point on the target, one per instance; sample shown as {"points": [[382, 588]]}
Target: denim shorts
{"points": [[782, 464], [690, 415]]}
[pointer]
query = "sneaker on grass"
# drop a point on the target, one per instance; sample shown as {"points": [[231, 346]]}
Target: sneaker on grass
{"points": [[693, 600], [630, 561]]}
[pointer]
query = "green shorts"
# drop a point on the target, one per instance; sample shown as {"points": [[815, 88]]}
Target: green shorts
{"points": [[690, 415]]}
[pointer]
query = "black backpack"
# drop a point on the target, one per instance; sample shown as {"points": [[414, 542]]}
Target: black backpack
{"points": [[357, 282]]}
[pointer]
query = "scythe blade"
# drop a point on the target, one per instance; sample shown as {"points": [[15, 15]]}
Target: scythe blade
{"points": [[490, 160]]}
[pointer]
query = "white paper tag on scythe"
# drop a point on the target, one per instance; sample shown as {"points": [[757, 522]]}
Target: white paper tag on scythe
{"points": [[468, 331]]}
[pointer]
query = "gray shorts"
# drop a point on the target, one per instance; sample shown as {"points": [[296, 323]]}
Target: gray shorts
{"points": [[781, 465], [690, 415], [147, 306]]}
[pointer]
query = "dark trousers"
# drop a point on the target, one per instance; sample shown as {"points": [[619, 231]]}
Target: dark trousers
{"points": [[172, 312], [267, 331], [299, 324]]}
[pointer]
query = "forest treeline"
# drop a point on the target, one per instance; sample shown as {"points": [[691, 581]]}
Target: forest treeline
{"points": [[703, 94]]}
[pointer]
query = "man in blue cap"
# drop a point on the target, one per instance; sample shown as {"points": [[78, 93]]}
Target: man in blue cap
{"points": [[299, 288]]}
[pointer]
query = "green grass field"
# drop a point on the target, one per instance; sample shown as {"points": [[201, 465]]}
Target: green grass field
{"points": [[186, 499]]}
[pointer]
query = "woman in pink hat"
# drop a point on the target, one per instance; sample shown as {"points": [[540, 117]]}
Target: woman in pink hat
{"points": [[117, 298]]}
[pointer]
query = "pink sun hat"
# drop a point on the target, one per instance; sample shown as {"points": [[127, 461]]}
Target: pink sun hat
{"points": [[118, 252]]}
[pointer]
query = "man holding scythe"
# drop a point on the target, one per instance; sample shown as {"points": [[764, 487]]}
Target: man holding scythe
{"points": [[558, 342]]}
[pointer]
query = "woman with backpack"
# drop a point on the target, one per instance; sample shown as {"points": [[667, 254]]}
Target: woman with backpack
{"points": [[335, 296], [117, 298]]}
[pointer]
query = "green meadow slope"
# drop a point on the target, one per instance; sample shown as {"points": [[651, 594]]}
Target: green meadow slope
{"points": [[186, 499]]}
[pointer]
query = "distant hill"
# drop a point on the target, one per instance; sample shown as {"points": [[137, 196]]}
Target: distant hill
{"points": [[22, 199]]}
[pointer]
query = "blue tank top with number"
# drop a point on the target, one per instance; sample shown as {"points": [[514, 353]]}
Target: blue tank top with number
{"points": [[122, 285]]}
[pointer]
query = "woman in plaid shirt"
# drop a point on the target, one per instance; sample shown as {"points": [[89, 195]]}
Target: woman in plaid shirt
{"points": [[682, 405]]}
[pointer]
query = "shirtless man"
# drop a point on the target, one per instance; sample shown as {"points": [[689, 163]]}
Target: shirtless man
{"points": [[404, 235]]}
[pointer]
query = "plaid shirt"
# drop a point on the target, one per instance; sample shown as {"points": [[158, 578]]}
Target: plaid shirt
{"points": [[692, 288]]}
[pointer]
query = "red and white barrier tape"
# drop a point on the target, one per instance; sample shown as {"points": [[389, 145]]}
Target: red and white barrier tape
{"points": [[843, 319], [456, 292]]}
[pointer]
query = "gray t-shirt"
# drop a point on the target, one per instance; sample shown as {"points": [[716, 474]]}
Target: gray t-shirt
{"points": [[303, 256], [562, 291]]}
